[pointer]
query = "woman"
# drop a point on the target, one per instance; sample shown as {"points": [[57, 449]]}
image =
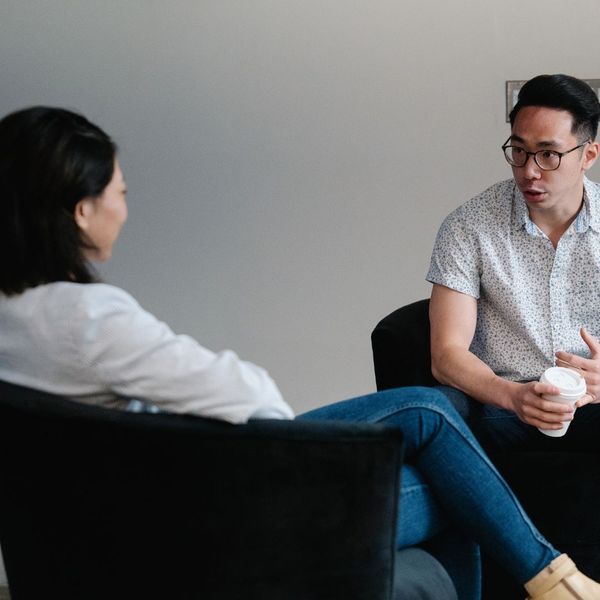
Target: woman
{"points": [[62, 205]]}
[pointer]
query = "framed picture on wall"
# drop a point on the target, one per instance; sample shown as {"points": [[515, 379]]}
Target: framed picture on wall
{"points": [[513, 87]]}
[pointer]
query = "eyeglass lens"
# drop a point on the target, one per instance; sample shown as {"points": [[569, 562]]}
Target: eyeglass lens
{"points": [[545, 159]]}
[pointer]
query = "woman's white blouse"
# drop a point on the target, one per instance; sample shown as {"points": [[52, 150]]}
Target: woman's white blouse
{"points": [[94, 343]]}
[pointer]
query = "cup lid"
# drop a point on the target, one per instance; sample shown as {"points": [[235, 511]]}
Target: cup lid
{"points": [[567, 380]]}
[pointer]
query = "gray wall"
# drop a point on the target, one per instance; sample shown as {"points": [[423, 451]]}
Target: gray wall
{"points": [[289, 162]]}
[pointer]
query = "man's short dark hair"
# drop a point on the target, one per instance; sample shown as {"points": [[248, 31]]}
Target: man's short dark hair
{"points": [[50, 158], [563, 92]]}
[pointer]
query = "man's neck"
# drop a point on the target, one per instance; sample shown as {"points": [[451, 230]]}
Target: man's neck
{"points": [[554, 222]]}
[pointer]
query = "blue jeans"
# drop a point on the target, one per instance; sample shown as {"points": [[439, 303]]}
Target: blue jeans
{"points": [[449, 484]]}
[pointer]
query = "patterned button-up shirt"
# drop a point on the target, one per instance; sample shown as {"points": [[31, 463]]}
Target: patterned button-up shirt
{"points": [[532, 299]]}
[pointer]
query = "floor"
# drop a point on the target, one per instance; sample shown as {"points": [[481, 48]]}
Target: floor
{"points": [[4, 593]]}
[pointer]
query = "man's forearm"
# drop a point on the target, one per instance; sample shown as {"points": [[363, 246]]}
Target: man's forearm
{"points": [[453, 318], [460, 368]]}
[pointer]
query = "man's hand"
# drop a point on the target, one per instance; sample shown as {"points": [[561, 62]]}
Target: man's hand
{"points": [[531, 408], [589, 368]]}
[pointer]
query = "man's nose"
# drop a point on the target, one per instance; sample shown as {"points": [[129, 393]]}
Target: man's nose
{"points": [[532, 171]]}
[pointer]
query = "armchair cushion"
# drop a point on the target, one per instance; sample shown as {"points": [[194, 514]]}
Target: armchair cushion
{"points": [[419, 576]]}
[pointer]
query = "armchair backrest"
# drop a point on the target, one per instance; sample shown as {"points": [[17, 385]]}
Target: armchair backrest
{"points": [[98, 503], [401, 348]]}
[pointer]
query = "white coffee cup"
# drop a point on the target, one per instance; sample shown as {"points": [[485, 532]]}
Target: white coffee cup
{"points": [[572, 387]]}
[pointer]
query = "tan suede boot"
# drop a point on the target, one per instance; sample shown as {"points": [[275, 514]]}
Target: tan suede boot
{"points": [[561, 580]]}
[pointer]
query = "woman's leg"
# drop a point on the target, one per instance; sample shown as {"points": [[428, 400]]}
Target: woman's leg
{"points": [[422, 519], [420, 516], [467, 486], [496, 429]]}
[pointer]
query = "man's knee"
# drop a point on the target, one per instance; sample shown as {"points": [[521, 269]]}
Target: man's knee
{"points": [[463, 404]]}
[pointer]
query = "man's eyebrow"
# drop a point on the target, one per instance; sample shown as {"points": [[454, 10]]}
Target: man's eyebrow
{"points": [[543, 143]]}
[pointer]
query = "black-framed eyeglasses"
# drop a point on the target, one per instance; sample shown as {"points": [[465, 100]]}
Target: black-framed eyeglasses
{"points": [[547, 160]]}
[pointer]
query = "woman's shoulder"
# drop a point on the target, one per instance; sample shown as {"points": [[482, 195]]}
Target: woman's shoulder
{"points": [[99, 292], [93, 299], [82, 291], [90, 315], [64, 297]]}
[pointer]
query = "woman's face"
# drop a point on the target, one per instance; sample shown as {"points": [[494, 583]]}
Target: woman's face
{"points": [[100, 219]]}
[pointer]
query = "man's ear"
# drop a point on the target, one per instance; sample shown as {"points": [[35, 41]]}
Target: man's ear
{"points": [[82, 212], [590, 154]]}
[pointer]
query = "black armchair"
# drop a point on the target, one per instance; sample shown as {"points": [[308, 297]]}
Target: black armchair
{"points": [[100, 504], [559, 490]]}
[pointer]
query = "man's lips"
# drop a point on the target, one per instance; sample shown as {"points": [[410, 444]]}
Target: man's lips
{"points": [[533, 194]]}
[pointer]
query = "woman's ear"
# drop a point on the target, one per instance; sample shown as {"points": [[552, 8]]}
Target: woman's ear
{"points": [[82, 212]]}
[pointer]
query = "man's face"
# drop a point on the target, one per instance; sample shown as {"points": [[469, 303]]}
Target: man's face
{"points": [[558, 193]]}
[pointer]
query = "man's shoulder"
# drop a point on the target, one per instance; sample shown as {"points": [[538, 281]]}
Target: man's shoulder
{"points": [[489, 206], [496, 196], [592, 188]]}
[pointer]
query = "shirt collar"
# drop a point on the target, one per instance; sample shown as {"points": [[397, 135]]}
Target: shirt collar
{"points": [[589, 215], [520, 215]]}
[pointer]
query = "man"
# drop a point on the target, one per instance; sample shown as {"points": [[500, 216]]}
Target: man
{"points": [[516, 273]]}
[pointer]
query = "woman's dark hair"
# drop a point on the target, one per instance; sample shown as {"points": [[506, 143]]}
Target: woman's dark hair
{"points": [[563, 92], [50, 158]]}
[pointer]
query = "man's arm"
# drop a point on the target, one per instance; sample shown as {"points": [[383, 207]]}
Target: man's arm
{"points": [[453, 317]]}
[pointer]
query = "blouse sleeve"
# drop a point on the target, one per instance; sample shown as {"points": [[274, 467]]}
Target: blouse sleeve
{"points": [[134, 355]]}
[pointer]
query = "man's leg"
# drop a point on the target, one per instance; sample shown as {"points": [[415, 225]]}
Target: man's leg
{"points": [[497, 429], [583, 434]]}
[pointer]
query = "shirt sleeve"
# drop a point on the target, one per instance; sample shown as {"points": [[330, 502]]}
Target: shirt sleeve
{"points": [[455, 259], [134, 355]]}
